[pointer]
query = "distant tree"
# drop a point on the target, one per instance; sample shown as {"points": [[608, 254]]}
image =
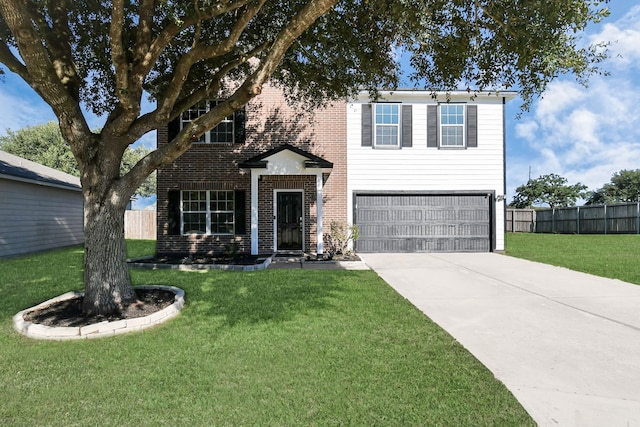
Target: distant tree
{"points": [[44, 144], [624, 187], [551, 189]]}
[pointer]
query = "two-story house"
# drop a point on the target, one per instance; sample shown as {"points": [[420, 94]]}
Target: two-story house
{"points": [[414, 172]]}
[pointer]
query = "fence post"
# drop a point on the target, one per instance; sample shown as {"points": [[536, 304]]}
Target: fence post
{"points": [[578, 220], [533, 221], [638, 217], [605, 219], [553, 220]]}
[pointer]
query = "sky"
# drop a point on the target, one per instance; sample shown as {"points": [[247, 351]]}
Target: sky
{"points": [[582, 133]]}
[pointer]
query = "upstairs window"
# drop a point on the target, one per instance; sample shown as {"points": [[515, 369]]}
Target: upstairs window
{"points": [[452, 125], [224, 133], [387, 125]]}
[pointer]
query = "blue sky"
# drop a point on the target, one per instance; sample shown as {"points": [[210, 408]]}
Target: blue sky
{"points": [[583, 134]]}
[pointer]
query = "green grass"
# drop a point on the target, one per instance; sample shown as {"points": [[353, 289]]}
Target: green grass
{"points": [[273, 347], [614, 256]]}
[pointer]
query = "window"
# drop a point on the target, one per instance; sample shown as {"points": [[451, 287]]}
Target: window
{"points": [[387, 125], [223, 133], [452, 125], [208, 212]]}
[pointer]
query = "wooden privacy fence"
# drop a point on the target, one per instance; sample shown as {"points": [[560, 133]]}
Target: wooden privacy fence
{"points": [[140, 225], [521, 221], [602, 219]]}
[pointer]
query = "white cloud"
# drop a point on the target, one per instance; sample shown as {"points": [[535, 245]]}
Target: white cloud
{"points": [[527, 130], [623, 36], [559, 96]]}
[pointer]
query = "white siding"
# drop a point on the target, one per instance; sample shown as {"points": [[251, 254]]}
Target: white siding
{"points": [[419, 168], [36, 217]]}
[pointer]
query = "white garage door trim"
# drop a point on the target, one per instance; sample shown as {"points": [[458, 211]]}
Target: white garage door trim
{"points": [[452, 221]]}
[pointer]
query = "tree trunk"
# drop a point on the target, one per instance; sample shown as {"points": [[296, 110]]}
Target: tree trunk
{"points": [[107, 283]]}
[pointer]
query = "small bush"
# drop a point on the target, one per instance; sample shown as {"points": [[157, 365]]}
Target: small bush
{"points": [[342, 235]]}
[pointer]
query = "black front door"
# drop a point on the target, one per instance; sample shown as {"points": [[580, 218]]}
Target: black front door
{"points": [[289, 220]]}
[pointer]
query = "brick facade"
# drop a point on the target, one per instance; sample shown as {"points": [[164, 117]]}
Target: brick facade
{"points": [[270, 122]]}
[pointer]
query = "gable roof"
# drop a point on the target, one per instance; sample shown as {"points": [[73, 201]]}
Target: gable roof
{"points": [[18, 169], [312, 161]]}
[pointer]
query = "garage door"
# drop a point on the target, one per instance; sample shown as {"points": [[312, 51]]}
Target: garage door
{"points": [[423, 223]]}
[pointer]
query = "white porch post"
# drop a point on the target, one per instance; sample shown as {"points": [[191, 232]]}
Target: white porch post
{"points": [[254, 212], [319, 248]]}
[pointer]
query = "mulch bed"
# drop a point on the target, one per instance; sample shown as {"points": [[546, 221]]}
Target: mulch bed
{"points": [[68, 313], [204, 259], [336, 257]]}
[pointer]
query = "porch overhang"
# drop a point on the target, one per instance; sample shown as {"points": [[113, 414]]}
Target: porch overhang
{"points": [[286, 160]]}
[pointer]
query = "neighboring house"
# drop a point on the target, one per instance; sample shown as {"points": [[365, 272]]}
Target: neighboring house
{"points": [[414, 173], [40, 208]]}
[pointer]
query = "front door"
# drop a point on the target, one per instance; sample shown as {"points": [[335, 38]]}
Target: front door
{"points": [[289, 220]]}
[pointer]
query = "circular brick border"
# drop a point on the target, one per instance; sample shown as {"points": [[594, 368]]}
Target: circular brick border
{"points": [[102, 329]]}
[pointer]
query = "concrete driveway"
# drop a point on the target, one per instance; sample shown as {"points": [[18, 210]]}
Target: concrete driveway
{"points": [[566, 344]]}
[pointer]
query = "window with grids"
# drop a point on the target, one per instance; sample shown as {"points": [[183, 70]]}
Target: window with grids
{"points": [[208, 212], [387, 124], [452, 125], [223, 133]]}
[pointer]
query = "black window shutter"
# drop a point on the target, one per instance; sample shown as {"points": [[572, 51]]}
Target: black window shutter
{"points": [[240, 209], [173, 128], [472, 125], [407, 126], [432, 126], [173, 212], [367, 124], [239, 121]]}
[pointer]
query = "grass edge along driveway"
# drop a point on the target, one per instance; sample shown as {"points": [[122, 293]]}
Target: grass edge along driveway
{"points": [[616, 256], [273, 347]]}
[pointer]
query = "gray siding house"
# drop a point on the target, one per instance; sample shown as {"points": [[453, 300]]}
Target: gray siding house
{"points": [[40, 208]]}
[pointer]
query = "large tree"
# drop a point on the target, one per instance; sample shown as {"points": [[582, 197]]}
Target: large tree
{"points": [[106, 56], [552, 189], [624, 187], [44, 144]]}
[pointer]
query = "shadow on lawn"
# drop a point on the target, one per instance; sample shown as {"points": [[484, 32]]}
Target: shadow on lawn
{"points": [[267, 296]]}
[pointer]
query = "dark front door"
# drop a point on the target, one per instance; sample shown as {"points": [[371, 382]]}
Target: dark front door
{"points": [[289, 220]]}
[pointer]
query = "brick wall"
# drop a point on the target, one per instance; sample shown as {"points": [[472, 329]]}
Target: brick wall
{"points": [[270, 122]]}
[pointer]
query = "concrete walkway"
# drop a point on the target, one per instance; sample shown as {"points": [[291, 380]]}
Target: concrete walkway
{"points": [[566, 344]]}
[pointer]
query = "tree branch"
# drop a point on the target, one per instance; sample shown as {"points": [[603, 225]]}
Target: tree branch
{"points": [[9, 59], [143, 33], [160, 43], [118, 54], [157, 118], [201, 52], [58, 40]]}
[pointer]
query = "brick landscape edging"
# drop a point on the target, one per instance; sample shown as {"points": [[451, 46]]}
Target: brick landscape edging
{"points": [[98, 330], [194, 267]]}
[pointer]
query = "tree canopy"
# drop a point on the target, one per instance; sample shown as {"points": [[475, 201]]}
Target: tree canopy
{"points": [[624, 187], [551, 189], [106, 56], [44, 144]]}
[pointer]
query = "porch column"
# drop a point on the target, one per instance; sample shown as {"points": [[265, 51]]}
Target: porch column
{"points": [[254, 212], [319, 249]]}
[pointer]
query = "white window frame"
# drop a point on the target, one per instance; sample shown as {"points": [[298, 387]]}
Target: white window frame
{"points": [[209, 213], [396, 125], [442, 126], [199, 109]]}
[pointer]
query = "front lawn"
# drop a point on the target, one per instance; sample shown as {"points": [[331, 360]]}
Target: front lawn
{"points": [[616, 256], [274, 347]]}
